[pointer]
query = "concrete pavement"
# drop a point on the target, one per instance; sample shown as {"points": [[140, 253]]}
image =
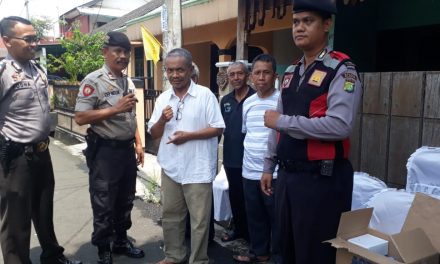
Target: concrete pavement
{"points": [[73, 216]]}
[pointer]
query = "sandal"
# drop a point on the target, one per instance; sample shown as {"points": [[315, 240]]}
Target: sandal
{"points": [[228, 236], [250, 258]]}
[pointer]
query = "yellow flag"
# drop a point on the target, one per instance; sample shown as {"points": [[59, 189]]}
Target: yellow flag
{"points": [[151, 45]]}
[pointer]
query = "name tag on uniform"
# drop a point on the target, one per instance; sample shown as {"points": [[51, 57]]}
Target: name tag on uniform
{"points": [[107, 94], [25, 84], [286, 81], [317, 78]]}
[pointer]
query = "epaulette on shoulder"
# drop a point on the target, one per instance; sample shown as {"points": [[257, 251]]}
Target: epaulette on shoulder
{"points": [[334, 59], [338, 55], [98, 75], [2, 67], [291, 68], [93, 76]]}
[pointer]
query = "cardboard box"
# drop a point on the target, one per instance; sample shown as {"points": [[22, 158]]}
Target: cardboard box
{"points": [[417, 243]]}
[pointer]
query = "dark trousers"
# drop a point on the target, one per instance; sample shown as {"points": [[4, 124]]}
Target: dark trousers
{"points": [[260, 210], [308, 207], [236, 198], [112, 179], [27, 195]]}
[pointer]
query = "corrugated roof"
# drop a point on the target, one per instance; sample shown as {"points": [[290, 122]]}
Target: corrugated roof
{"points": [[120, 22], [101, 11], [91, 3]]}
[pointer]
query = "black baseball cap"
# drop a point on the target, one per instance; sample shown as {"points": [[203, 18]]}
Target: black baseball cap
{"points": [[117, 39], [322, 6]]}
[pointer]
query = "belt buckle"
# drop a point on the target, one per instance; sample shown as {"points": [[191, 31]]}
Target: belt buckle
{"points": [[41, 146]]}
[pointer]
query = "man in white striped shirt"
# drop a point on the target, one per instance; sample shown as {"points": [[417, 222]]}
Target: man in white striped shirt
{"points": [[259, 207]]}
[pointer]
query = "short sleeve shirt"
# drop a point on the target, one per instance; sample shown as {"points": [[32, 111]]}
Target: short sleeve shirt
{"points": [[101, 89], [257, 135], [194, 161], [24, 102]]}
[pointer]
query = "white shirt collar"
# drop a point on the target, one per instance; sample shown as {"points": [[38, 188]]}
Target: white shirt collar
{"points": [[192, 91]]}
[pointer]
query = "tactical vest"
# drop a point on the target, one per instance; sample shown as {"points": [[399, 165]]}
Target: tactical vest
{"points": [[309, 99]]}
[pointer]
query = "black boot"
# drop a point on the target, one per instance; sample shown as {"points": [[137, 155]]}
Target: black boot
{"points": [[61, 260], [105, 258], [105, 255], [125, 247]]}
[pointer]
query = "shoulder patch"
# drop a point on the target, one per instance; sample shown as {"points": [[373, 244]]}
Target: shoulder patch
{"points": [[349, 86], [287, 79], [88, 90], [350, 75]]}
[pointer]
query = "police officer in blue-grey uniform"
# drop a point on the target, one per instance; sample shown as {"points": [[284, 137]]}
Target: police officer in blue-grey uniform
{"points": [[26, 174], [106, 101], [319, 99]]}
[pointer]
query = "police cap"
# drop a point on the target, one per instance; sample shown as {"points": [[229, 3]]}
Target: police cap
{"points": [[117, 39], [322, 6]]}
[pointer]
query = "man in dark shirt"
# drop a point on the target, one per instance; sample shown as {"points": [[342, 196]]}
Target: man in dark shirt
{"points": [[232, 111]]}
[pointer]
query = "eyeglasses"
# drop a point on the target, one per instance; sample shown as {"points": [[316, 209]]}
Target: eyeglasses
{"points": [[180, 106], [29, 39]]}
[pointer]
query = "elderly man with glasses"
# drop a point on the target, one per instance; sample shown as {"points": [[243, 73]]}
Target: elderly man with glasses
{"points": [[188, 120]]}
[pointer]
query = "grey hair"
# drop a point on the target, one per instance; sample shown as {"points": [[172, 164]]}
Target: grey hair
{"points": [[180, 52], [239, 63], [195, 71]]}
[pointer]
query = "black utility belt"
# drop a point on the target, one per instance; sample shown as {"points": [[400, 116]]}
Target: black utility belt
{"points": [[38, 147], [95, 139], [324, 167], [16, 148], [116, 143]]}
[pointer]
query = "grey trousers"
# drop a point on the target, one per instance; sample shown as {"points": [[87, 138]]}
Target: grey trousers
{"points": [[176, 200]]}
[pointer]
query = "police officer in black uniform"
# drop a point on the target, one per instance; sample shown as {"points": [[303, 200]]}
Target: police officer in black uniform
{"points": [[106, 101], [317, 108], [26, 174]]}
